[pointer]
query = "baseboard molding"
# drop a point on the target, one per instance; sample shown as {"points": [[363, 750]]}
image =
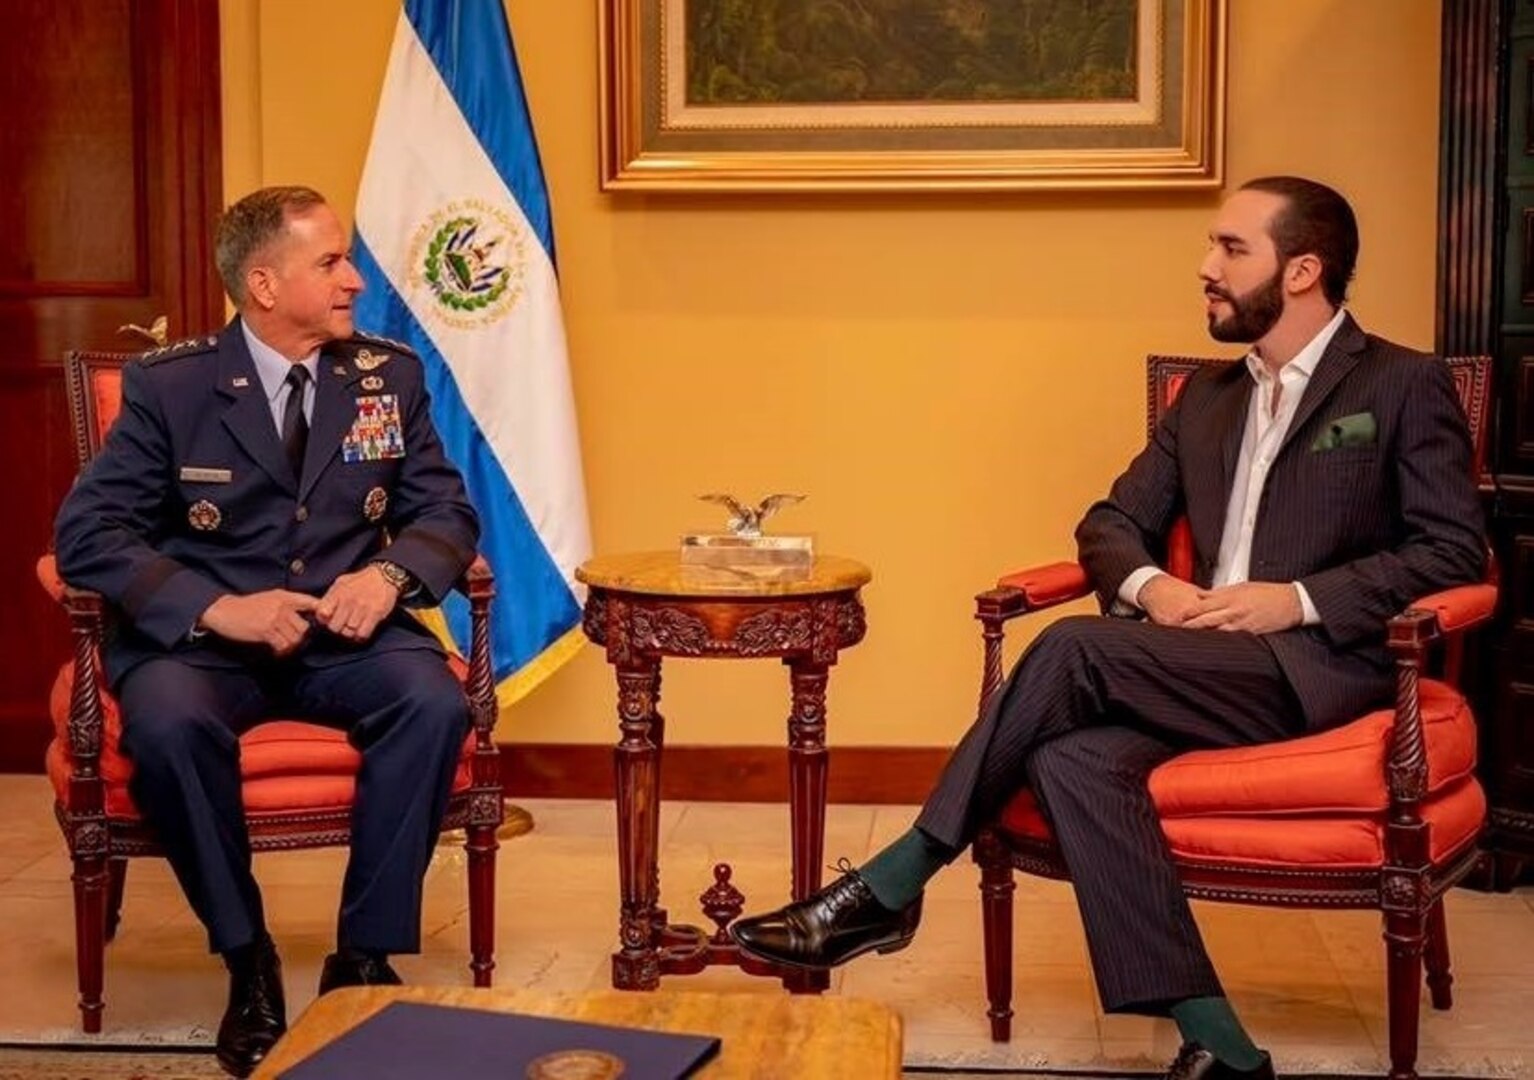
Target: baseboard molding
{"points": [[857, 774]]}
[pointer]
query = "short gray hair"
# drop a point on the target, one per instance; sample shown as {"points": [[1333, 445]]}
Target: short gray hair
{"points": [[250, 225]]}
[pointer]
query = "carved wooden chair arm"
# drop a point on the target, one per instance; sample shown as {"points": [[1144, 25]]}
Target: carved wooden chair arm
{"points": [[1033, 589], [87, 713], [1020, 593], [1445, 613], [478, 584]]}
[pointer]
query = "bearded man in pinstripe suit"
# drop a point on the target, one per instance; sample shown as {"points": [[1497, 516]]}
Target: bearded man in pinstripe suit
{"points": [[1327, 482]]}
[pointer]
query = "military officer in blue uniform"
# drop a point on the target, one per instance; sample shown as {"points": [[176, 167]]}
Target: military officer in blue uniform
{"points": [[266, 504]]}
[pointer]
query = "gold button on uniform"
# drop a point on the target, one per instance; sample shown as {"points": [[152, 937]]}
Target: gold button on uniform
{"points": [[296, 566], [301, 514]]}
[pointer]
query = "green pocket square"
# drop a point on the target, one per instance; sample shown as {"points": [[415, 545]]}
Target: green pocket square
{"points": [[1357, 429]]}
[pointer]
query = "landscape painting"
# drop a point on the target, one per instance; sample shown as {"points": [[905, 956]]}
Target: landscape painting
{"points": [[773, 95], [829, 51]]}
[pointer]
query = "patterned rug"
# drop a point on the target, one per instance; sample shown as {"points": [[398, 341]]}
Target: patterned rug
{"points": [[27, 1063], [34, 1063]]}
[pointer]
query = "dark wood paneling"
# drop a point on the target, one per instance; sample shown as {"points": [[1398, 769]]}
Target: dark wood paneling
{"points": [[23, 749], [110, 185], [36, 443], [1467, 209], [858, 774], [1513, 743], [1523, 419], [71, 175], [1486, 305], [1521, 581]]}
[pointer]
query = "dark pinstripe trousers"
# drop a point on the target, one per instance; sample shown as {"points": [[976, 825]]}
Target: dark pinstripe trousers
{"points": [[1092, 707]]}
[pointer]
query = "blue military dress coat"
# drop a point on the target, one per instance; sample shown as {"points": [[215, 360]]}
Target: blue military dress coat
{"points": [[192, 497]]}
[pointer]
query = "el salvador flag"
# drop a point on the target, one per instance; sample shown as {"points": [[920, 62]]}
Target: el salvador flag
{"points": [[455, 242]]}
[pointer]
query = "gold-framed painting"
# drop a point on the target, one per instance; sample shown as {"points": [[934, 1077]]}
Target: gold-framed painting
{"points": [[794, 95]]}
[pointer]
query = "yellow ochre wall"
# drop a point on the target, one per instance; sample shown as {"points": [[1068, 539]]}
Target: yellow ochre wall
{"points": [[950, 378]]}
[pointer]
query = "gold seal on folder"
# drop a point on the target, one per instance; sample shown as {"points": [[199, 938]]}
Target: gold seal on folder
{"points": [[575, 1065]]}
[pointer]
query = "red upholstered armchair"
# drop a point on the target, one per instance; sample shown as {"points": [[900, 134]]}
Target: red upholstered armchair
{"points": [[1383, 812], [298, 779]]}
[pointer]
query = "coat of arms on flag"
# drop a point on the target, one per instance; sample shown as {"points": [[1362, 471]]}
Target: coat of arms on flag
{"points": [[471, 258]]}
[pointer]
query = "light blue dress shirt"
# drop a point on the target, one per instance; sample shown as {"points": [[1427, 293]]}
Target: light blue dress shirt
{"points": [[272, 369]]}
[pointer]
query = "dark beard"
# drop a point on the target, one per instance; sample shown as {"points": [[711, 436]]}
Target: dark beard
{"points": [[1252, 315]]}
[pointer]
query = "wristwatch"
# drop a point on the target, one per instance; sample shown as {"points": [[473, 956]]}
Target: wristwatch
{"points": [[395, 574]]}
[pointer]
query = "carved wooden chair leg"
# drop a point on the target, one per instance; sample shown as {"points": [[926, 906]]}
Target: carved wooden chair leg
{"points": [[1439, 980], [90, 883], [481, 844], [996, 889], [1404, 938], [118, 871]]}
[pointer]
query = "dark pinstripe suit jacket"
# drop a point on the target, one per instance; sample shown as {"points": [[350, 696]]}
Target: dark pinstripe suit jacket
{"points": [[1366, 528]]}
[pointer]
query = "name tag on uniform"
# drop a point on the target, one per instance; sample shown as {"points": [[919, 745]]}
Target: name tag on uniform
{"points": [[376, 434], [196, 474]]}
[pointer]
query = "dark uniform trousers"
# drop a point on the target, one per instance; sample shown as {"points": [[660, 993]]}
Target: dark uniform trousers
{"points": [[1088, 712], [401, 708]]}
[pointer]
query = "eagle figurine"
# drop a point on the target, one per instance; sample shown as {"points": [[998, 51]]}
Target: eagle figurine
{"points": [[746, 521]]}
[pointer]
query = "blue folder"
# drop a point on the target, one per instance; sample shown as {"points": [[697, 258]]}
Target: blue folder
{"points": [[407, 1041]]}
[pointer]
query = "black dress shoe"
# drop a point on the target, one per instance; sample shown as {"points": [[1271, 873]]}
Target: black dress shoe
{"points": [[349, 968], [257, 1015], [1193, 1062], [841, 921]]}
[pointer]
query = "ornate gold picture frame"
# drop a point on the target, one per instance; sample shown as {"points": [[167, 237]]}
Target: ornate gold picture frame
{"points": [[861, 95]]}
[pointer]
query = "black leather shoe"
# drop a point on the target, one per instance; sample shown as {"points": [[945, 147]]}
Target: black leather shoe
{"points": [[257, 1014], [1193, 1062], [357, 969], [841, 921]]}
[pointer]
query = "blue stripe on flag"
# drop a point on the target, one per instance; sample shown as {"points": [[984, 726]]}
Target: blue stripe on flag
{"points": [[470, 43], [526, 618]]}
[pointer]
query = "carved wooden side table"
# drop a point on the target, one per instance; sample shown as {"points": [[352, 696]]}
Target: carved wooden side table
{"points": [[642, 608]]}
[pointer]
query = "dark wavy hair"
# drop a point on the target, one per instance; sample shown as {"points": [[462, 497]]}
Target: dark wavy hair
{"points": [[1315, 220]]}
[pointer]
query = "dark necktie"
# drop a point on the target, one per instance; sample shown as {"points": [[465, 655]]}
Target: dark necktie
{"points": [[295, 429]]}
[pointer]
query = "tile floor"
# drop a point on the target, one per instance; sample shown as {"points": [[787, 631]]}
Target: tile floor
{"points": [[1308, 985]]}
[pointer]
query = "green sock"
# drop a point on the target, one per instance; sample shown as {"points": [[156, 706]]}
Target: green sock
{"points": [[898, 874], [1212, 1023]]}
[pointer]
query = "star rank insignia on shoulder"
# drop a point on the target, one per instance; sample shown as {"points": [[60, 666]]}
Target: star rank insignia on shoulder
{"points": [[373, 343], [189, 347]]}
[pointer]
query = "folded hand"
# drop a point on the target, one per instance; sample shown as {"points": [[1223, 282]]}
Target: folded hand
{"points": [[356, 603], [1257, 607], [274, 618]]}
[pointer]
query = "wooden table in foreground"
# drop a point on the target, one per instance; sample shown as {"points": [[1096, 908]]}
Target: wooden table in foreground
{"points": [[762, 1036], [643, 607]]}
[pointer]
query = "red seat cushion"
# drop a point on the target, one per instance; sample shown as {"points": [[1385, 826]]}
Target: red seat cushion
{"points": [[285, 765], [1341, 769], [1314, 800]]}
